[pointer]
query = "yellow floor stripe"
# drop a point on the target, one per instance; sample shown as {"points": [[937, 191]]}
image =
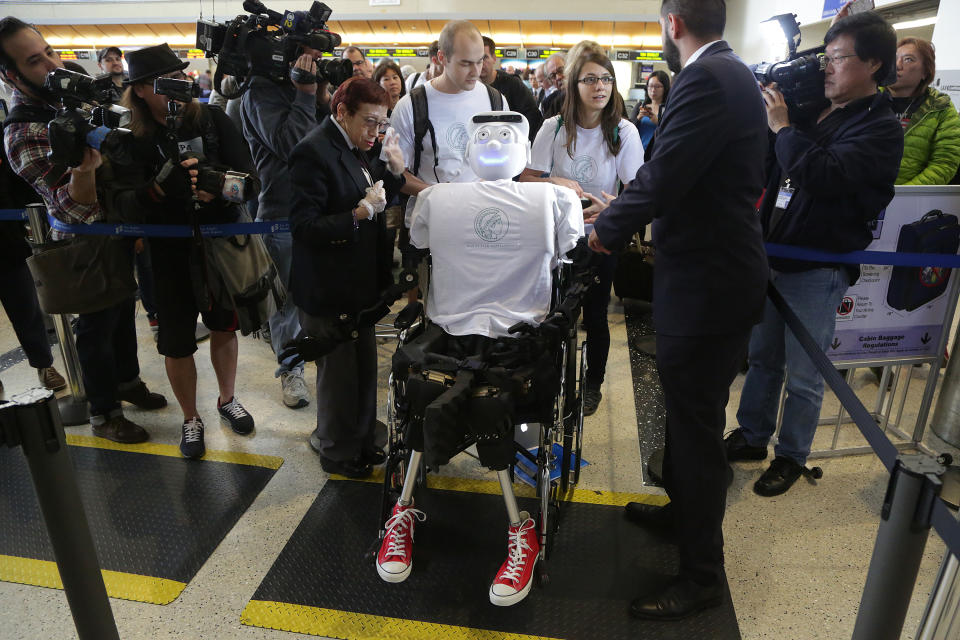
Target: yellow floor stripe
{"points": [[489, 487], [233, 457], [128, 586], [359, 626]]}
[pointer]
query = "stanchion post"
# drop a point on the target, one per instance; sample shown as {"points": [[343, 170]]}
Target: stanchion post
{"points": [[907, 507], [941, 619], [73, 408], [31, 421]]}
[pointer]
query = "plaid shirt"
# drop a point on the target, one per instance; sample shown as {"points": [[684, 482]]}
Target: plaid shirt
{"points": [[27, 146]]}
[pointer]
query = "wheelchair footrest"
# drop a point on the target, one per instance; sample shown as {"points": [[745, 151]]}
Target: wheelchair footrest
{"points": [[527, 471]]}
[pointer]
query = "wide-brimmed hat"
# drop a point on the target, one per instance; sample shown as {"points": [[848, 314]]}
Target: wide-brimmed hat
{"points": [[152, 62]]}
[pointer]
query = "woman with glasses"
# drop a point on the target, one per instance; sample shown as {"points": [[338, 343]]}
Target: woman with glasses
{"points": [[340, 188], [646, 115], [591, 148]]}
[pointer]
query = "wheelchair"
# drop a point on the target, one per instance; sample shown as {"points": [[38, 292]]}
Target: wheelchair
{"points": [[533, 376]]}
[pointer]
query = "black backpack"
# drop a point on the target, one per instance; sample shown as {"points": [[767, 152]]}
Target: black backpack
{"points": [[422, 124], [15, 192]]}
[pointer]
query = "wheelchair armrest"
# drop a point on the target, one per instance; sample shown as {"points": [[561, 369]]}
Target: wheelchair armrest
{"points": [[408, 315]]}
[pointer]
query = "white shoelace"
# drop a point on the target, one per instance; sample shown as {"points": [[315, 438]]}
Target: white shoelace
{"points": [[295, 384], [234, 409], [192, 430], [397, 527], [516, 558]]}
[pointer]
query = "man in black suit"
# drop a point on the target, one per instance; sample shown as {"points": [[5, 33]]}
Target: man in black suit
{"points": [[702, 177], [511, 86]]}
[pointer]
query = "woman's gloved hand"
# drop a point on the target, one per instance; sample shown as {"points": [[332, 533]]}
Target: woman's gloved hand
{"points": [[373, 203], [392, 153]]}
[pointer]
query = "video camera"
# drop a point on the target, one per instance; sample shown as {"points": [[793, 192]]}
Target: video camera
{"points": [[75, 127], [800, 77], [231, 186], [247, 46]]}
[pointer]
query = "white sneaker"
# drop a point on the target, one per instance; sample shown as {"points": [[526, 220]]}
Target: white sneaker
{"points": [[294, 389]]}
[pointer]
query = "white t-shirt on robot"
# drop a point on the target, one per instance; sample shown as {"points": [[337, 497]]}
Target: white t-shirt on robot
{"points": [[592, 166], [496, 242], [449, 113]]}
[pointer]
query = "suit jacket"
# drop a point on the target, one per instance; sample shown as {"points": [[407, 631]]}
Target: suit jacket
{"points": [[338, 267], [699, 187]]}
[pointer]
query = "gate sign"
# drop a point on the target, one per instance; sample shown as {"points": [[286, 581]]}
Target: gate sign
{"points": [[639, 56], [892, 312]]}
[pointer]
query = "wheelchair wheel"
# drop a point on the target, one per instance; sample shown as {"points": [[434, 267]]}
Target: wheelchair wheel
{"points": [[572, 407]]}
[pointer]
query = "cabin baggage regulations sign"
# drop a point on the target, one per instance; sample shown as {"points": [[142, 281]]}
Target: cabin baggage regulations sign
{"points": [[890, 314]]}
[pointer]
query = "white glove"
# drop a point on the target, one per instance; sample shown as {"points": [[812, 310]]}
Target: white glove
{"points": [[374, 201], [391, 152]]}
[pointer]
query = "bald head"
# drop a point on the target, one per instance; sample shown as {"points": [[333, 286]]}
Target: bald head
{"points": [[461, 55], [458, 30]]}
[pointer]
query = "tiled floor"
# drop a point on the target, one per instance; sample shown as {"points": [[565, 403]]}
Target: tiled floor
{"points": [[796, 563]]}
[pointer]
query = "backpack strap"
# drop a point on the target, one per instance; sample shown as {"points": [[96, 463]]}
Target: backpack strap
{"points": [[422, 125], [496, 98]]}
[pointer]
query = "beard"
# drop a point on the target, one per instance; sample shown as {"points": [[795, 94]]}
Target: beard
{"points": [[671, 54]]}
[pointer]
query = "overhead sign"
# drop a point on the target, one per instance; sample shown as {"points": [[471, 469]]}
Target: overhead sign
{"points": [[337, 53], [392, 52], [68, 55], [543, 54], [195, 54], [507, 53], [639, 55]]}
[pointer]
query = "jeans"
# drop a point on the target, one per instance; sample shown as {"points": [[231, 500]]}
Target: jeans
{"points": [[284, 324], [107, 348], [595, 322], [18, 295], [814, 296]]}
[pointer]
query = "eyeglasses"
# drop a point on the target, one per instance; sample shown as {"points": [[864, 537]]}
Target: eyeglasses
{"points": [[838, 61], [592, 80], [371, 124], [556, 74]]}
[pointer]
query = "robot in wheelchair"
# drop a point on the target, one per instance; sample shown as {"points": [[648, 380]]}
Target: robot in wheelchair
{"points": [[496, 347]]}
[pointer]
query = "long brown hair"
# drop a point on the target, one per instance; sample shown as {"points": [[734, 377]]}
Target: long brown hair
{"points": [[142, 123], [928, 57], [572, 104]]}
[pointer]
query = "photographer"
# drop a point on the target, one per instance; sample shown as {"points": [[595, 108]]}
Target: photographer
{"points": [[106, 339], [159, 188], [275, 118], [833, 175]]}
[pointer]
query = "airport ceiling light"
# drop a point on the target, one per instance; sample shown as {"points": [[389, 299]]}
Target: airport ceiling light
{"points": [[913, 24], [118, 41]]}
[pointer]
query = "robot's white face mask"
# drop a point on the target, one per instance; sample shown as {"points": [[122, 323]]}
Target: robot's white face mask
{"points": [[498, 147]]}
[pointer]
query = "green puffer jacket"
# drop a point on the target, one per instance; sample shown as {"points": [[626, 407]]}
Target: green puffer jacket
{"points": [[931, 144]]}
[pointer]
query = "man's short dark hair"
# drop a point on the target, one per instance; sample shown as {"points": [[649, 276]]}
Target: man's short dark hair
{"points": [[9, 27], [434, 49], [704, 18], [873, 39], [489, 43], [357, 49]]}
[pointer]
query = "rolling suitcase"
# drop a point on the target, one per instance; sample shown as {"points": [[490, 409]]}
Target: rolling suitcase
{"points": [[912, 287]]}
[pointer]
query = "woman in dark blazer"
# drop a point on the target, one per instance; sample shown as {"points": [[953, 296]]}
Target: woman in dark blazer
{"points": [[340, 187]]}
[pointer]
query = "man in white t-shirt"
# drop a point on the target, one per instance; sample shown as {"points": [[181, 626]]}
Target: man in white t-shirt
{"points": [[494, 244], [451, 99]]}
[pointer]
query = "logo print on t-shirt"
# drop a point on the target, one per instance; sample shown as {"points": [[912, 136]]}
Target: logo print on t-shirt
{"points": [[584, 169], [491, 224], [457, 137]]}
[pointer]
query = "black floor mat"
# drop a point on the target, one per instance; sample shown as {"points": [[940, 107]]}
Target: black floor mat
{"points": [[325, 581], [155, 519], [648, 395]]}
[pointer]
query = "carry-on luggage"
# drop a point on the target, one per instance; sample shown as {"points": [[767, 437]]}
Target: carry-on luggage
{"points": [[912, 287]]}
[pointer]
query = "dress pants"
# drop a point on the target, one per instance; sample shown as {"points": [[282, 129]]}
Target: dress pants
{"points": [[18, 295], [107, 348], [347, 396], [696, 373]]}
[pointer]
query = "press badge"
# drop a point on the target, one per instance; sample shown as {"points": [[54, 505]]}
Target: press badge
{"points": [[785, 195]]}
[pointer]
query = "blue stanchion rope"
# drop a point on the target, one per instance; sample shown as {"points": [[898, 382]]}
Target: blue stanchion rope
{"points": [[942, 519]]}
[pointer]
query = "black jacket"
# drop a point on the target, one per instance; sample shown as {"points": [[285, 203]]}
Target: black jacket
{"points": [[519, 99], [128, 193], [699, 187], [337, 268], [843, 170]]}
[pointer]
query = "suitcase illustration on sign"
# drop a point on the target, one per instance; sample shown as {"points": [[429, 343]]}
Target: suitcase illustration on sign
{"points": [[912, 287]]}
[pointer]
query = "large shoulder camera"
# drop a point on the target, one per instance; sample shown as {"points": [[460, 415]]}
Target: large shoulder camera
{"points": [[86, 119], [265, 42], [800, 77]]}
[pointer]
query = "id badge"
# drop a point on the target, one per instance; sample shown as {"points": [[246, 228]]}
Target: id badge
{"points": [[784, 196]]}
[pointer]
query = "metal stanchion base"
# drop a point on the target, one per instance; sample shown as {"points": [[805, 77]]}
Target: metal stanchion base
{"points": [[73, 413], [951, 487]]}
